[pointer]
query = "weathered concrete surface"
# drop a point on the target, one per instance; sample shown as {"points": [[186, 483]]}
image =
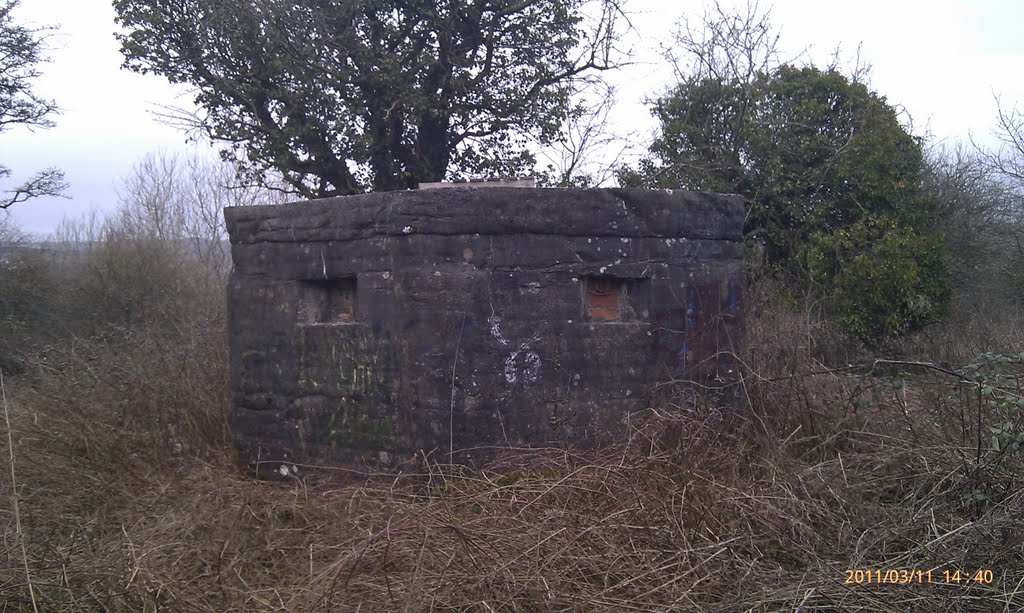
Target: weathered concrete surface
{"points": [[480, 183], [368, 330]]}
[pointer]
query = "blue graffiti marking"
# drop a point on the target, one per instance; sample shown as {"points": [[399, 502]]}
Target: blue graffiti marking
{"points": [[691, 307]]}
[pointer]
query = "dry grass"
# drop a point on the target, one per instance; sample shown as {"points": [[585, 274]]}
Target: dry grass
{"points": [[130, 499]]}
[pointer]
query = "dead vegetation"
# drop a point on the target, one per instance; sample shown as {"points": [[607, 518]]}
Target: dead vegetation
{"points": [[128, 497]]}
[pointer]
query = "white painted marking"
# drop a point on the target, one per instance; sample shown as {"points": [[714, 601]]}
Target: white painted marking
{"points": [[510, 368], [526, 370], [532, 366], [495, 331], [529, 370]]}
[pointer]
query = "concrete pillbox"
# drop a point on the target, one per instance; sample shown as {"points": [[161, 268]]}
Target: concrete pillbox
{"points": [[368, 331]]}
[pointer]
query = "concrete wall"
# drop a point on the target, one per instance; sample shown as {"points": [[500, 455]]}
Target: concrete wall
{"points": [[369, 329]]}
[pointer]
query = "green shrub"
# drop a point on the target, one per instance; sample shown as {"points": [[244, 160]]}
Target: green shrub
{"points": [[880, 279]]}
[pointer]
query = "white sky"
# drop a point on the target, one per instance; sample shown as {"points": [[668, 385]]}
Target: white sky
{"points": [[944, 61]]}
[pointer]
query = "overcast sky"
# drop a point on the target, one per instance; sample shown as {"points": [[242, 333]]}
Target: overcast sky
{"points": [[944, 61]]}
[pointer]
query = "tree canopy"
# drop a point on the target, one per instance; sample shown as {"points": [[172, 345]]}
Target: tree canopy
{"points": [[344, 97], [833, 182], [813, 151], [832, 176], [21, 52]]}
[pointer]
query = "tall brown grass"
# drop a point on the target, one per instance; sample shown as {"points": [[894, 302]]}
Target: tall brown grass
{"points": [[130, 500]]}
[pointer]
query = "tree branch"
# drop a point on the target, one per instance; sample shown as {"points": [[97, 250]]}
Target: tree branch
{"points": [[49, 182]]}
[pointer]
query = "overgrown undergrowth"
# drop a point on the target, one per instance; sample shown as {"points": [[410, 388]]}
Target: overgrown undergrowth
{"points": [[130, 499]]}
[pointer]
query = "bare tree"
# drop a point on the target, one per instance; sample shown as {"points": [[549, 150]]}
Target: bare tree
{"points": [[162, 255], [718, 61], [21, 52], [974, 212], [181, 199], [1008, 159], [1005, 166], [725, 45], [587, 152], [9, 232]]}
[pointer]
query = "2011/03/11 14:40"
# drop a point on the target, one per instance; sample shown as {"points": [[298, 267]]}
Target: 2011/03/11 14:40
{"points": [[907, 576]]}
